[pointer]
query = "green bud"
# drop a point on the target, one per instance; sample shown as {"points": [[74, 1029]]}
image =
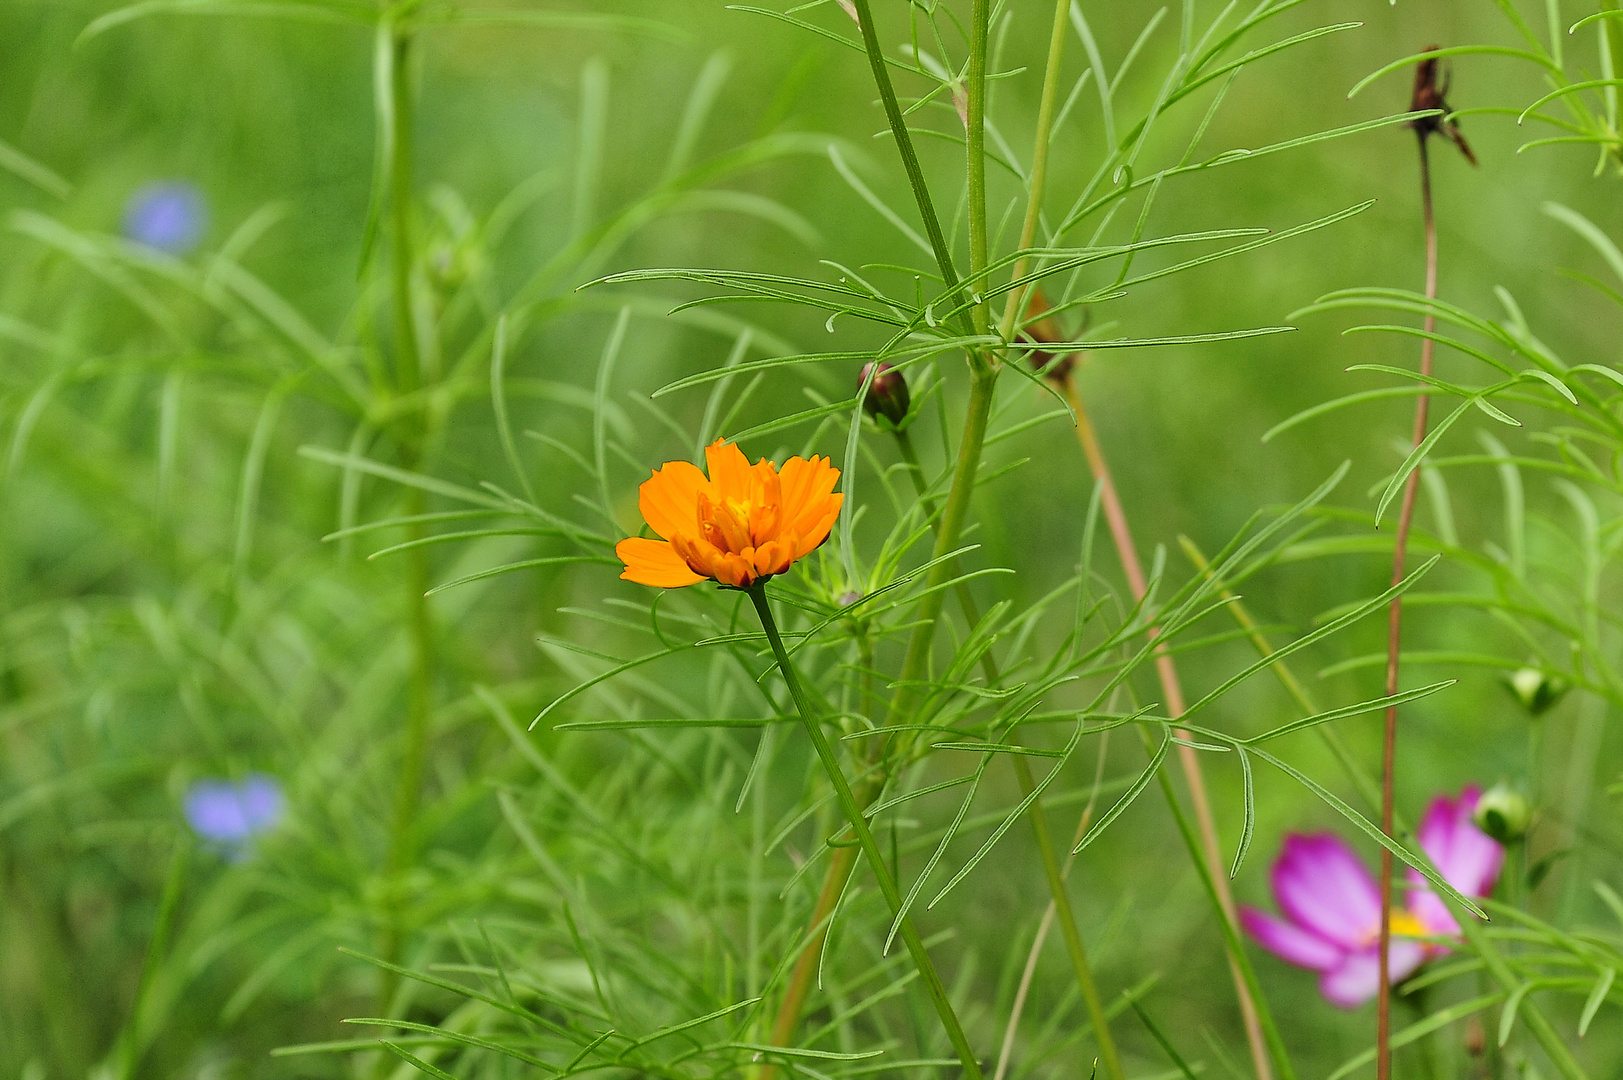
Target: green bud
{"points": [[1503, 813], [1538, 690]]}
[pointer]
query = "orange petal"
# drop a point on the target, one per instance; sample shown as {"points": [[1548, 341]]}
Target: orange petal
{"points": [[669, 500], [735, 570], [814, 536], [775, 556], [654, 562], [729, 470], [806, 486]]}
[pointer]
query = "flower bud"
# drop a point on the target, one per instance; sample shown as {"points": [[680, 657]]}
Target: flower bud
{"points": [[1503, 813], [1536, 688], [888, 398]]}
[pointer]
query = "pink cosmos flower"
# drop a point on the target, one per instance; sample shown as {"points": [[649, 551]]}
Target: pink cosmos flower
{"points": [[1332, 905]]}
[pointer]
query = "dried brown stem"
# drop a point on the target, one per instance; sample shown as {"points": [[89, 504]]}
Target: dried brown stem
{"points": [[1172, 690], [1383, 1000]]}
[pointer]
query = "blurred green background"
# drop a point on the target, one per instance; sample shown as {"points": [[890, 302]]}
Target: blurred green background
{"points": [[166, 620]]}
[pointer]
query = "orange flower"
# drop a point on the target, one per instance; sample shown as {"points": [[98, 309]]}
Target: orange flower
{"points": [[740, 525]]}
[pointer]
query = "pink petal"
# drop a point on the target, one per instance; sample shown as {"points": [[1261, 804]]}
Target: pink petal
{"points": [[1468, 858], [1433, 914], [1291, 944], [1322, 886], [1358, 978]]}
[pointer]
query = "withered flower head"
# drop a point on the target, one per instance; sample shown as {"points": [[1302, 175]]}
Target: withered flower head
{"points": [[1431, 92], [888, 397], [1042, 328]]}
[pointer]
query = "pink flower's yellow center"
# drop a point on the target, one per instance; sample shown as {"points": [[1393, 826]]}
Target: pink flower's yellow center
{"points": [[1404, 925]]}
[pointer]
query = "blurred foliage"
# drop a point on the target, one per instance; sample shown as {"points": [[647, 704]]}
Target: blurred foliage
{"points": [[204, 452]]}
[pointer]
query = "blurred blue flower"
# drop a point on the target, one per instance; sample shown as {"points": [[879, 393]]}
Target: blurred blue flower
{"points": [[169, 215], [231, 812]]}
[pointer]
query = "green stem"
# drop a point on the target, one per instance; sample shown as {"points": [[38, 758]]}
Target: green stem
{"points": [[1238, 957], [413, 436], [982, 388], [904, 145], [1529, 1013], [853, 812], [1039, 821], [1039, 163], [979, 19], [1366, 784], [131, 1041], [408, 374]]}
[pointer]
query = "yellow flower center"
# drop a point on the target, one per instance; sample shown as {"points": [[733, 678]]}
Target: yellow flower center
{"points": [[1404, 925]]}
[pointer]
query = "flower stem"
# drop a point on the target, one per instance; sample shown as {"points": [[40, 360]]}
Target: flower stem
{"points": [[408, 377], [1207, 853], [1060, 905], [1039, 163], [1530, 1014], [1366, 784], [853, 812], [982, 388], [975, 141], [1394, 641], [904, 145]]}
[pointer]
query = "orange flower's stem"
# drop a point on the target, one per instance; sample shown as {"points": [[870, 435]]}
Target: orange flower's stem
{"points": [[1394, 641], [1210, 851], [854, 816]]}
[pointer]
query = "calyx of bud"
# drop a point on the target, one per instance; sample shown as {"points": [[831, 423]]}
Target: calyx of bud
{"points": [[1503, 813], [1538, 690]]}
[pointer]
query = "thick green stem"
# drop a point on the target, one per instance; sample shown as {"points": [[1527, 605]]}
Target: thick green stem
{"points": [[904, 145], [408, 374], [979, 18], [1039, 164], [982, 388], [1039, 822], [413, 435], [853, 811]]}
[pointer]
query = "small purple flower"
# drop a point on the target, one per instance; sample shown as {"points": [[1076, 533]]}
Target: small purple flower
{"points": [[232, 812], [169, 215], [1332, 906]]}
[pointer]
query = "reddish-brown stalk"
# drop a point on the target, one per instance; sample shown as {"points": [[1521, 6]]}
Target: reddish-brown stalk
{"points": [[1116, 518], [1428, 95]]}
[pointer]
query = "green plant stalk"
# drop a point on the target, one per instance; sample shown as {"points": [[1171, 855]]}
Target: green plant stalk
{"points": [[131, 1042], [904, 145], [1039, 822], [975, 141], [1039, 165], [1238, 960], [1529, 1012], [1367, 785], [1207, 852], [853, 812], [408, 373], [982, 389], [419, 628]]}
